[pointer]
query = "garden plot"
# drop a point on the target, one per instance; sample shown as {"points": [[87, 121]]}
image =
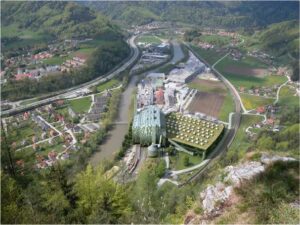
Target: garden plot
{"points": [[196, 133], [207, 103]]}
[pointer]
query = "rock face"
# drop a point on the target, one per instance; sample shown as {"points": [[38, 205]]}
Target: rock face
{"points": [[214, 196], [266, 159], [236, 174]]}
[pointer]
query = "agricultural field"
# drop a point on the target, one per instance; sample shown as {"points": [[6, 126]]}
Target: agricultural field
{"points": [[252, 101], [210, 55], [208, 103], [197, 133], [227, 107], [248, 73], [209, 86], [217, 93], [177, 161], [149, 39], [251, 81], [81, 105]]}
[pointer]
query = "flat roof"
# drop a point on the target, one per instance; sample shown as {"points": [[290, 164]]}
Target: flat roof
{"points": [[193, 132]]}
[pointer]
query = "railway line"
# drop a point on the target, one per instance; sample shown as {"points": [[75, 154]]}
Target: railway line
{"points": [[230, 134]]}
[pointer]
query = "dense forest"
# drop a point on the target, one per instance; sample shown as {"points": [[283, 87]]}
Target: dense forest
{"points": [[234, 14], [32, 24], [60, 19], [101, 61]]}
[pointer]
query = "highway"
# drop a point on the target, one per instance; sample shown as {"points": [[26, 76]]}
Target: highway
{"points": [[72, 91]]}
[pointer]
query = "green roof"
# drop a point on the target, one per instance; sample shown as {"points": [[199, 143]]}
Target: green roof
{"points": [[197, 133]]}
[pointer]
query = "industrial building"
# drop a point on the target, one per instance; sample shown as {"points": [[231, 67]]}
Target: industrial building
{"points": [[145, 94], [149, 126], [191, 69]]}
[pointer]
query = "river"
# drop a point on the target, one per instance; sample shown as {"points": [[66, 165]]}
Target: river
{"points": [[115, 136]]}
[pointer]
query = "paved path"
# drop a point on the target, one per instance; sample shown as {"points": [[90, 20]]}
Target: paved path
{"points": [[39, 142], [50, 125], [178, 172], [167, 160], [163, 180], [278, 91]]}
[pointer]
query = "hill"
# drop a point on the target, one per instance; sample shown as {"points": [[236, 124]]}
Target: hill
{"points": [[280, 38], [31, 23], [213, 14]]}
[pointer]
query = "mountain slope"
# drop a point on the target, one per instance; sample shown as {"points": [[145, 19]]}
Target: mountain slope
{"points": [[281, 38], [214, 14], [58, 19]]}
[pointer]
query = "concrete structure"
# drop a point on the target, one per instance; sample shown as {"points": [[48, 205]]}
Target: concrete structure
{"points": [[149, 126], [191, 69], [144, 94], [152, 150]]}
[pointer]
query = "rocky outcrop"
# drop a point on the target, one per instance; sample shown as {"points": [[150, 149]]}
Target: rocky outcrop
{"points": [[215, 197], [245, 171], [267, 159]]}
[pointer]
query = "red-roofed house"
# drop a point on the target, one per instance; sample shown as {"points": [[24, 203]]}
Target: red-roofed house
{"points": [[261, 109], [270, 121], [159, 97], [23, 76]]}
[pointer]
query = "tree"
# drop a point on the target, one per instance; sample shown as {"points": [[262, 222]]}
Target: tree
{"points": [[186, 161], [101, 200]]}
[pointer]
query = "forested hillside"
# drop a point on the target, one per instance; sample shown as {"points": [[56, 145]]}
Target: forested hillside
{"points": [[59, 19], [280, 38], [28, 24], [212, 14], [32, 26]]}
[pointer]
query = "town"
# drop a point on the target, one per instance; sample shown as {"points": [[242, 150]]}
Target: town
{"points": [[149, 112]]}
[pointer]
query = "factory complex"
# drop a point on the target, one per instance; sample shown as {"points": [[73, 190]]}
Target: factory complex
{"points": [[162, 115]]}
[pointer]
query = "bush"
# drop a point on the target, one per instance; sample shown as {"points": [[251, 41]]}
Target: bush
{"points": [[186, 161]]}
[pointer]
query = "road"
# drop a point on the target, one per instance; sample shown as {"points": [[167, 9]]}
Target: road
{"points": [[73, 90]]}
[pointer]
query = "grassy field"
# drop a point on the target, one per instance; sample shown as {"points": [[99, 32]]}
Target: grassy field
{"points": [[252, 102], [215, 39], [81, 105], [287, 98], [241, 143], [56, 60], [247, 61], [227, 108], [108, 85], [211, 56], [151, 39], [177, 161], [250, 81], [202, 86]]}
